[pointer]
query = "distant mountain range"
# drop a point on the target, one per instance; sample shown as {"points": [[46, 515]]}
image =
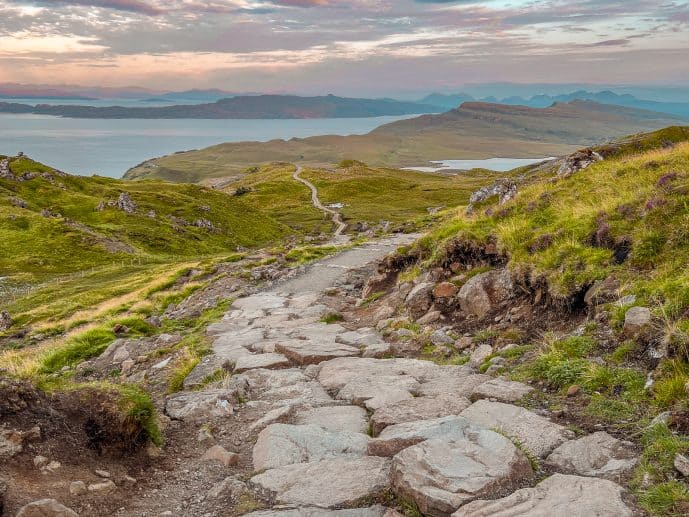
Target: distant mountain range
{"points": [[243, 107], [543, 101], [475, 130]]}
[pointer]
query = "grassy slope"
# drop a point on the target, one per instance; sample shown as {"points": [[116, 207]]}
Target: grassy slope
{"points": [[371, 194], [81, 237], [472, 131], [639, 195]]}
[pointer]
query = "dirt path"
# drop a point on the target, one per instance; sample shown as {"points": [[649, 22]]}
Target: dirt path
{"points": [[335, 215]]}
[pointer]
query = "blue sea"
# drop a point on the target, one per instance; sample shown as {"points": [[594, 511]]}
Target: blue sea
{"points": [[111, 147]]}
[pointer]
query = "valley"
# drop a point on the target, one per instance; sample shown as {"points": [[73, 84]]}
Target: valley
{"points": [[284, 368]]}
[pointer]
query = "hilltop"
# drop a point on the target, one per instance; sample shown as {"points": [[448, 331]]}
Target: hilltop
{"points": [[472, 131], [240, 107]]}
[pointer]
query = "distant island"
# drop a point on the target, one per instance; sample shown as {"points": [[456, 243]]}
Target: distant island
{"points": [[241, 107]]}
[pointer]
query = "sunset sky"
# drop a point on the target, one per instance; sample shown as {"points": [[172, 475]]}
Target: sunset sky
{"points": [[344, 47]]}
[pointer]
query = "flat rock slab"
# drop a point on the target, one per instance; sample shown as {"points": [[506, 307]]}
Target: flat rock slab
{"points": [[457, 381], [419, 408], [261, 301], [395, 438], [538, 434], [325, 484], [440, 475], [304, 352], [269, 361], [502, 390], [284, 444], [596, 455], [388, 389], [335, 418], [335, 374], [373, 511], [558, 496]]}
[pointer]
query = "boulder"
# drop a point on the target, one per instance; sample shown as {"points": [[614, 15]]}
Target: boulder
{"points": [[379, 391], [440, 476], [558, 496], [46, 508], [440, 337], [596, 455], [283, 444], [352, 419], [483, 293], [681, 463], [418, 408], [539, 435], [636, 320], [419, 300], [501, 389], [325, 484]]}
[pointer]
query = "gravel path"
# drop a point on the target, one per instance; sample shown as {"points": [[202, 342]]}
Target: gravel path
{"points": [[335, 215]]}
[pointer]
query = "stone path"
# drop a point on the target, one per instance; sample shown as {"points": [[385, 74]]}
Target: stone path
{"points": [[341, 430]]}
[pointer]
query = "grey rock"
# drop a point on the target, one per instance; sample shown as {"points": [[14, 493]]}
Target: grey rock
{"points": [[596, 455], [397, 437], [283, 444], [325, 484], [11, 443], [419, 299], [270, 361], [483, 293], [430, 317], [104, 487], [636, 320], [373, 511], [502, 390], [681, 463], [278, 415], [479, 355], [228, 487], [418, 408], [558, 496], [77, 488], [539, 435], [5, 321], [441, 475], [201, 405], [46, 508], [304, 352], [439, 337], [335, 418]]}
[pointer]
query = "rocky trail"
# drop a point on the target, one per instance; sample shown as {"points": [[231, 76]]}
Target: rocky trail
{"points": [[320, 419], [340, 225]]}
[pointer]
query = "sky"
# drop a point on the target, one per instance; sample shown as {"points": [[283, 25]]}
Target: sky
{"points": [[355, 47]]}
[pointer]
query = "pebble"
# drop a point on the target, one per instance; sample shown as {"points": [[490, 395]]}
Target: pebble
{"points": [[77, 488]]}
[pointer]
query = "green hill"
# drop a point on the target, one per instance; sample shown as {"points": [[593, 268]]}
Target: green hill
{"points": [[52, 223], [472, 131]]}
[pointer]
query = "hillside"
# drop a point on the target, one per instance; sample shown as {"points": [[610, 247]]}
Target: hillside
{"points": [[240, 107], [578, 287], [472, 131], [450, 101]]}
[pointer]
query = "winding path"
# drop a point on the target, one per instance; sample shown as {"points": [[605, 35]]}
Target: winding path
{"points": [[335, 215]]}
